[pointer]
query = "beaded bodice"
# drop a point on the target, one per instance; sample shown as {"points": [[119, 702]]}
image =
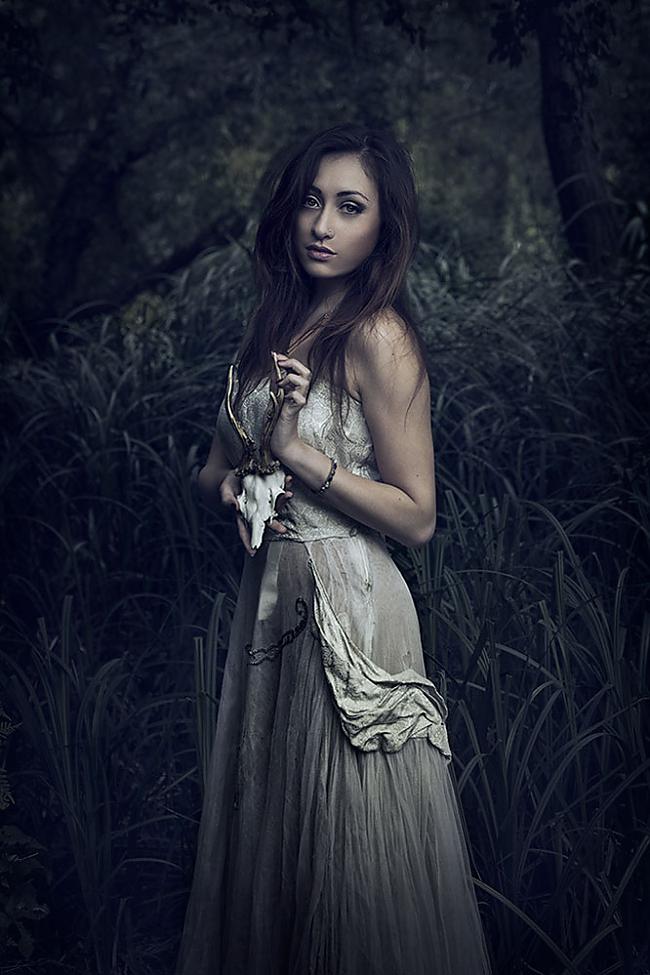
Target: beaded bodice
{"points": [[307, 515]]}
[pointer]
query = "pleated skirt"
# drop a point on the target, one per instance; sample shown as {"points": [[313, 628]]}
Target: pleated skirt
{"points": [[330, 840]]}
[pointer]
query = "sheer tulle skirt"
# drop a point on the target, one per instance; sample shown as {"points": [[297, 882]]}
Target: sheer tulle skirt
{"points": [[316, 856]]}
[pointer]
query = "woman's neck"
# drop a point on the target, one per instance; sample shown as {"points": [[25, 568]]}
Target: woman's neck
{"points": [[325, 296]]}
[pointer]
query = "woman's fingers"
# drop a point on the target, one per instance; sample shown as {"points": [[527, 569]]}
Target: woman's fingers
{"points": [[295, 365], [277, 525], [229, 489], [293, 379], [244, 534], [230, 499], [295, 387], [296, 379], [283, 498]]}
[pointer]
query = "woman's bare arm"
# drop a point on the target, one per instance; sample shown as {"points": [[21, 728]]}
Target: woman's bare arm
{"points": [[385, 363], [211, 475]]}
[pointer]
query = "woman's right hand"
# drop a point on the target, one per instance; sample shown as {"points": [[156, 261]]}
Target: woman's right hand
{"points": [[231, 486]]}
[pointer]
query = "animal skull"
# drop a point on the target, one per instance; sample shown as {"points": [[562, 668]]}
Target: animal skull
{"points": [[257, 501], [262, 476]]}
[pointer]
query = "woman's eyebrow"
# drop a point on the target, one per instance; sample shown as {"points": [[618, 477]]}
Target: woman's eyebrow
{"points": [[342, 192]]}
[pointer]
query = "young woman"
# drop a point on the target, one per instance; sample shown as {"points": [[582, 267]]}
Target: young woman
{"points": [[330, 840]]}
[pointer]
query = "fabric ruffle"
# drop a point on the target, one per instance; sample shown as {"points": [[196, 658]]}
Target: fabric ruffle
{"points": [[377, 709]]}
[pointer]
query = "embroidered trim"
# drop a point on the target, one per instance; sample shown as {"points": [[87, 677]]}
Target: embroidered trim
{"points": [[259, 654]]}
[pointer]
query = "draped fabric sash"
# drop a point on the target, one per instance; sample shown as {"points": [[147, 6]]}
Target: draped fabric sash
{"points": [[378, 710]]}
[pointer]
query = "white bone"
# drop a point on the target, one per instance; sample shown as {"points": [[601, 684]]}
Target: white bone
{"points": [[257, 501]]}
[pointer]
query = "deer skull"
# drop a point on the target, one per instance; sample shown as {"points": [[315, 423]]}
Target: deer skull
{"points": [[262, 477]]}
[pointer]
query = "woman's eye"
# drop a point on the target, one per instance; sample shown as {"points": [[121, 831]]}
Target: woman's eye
{"points": [[353, 207]]}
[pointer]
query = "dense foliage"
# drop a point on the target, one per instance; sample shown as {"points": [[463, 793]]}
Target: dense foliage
{"points": [[531, 595], [136, 145]]}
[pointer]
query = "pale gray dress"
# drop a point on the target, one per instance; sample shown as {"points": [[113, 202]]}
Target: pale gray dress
{"points": [[330, 840]]}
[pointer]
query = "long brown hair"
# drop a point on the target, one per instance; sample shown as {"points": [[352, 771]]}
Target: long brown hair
{"points": [[284, 288]]}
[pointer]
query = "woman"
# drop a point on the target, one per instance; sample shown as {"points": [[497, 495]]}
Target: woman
{"points": [[330, 839]]}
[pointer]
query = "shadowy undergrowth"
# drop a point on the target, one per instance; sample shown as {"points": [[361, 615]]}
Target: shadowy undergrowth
{"points": [[532, 597]]}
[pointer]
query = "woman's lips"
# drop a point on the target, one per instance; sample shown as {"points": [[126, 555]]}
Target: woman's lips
{"points": [[317, 255]]}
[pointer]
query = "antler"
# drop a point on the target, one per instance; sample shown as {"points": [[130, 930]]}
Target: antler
{"points": [[276, 398], [247, 462]]}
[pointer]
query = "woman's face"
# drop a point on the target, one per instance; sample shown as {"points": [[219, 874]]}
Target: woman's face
{"points": [[341, 213]]}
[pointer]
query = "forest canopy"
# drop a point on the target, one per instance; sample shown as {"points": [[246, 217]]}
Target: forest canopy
{"points": [[137, 135]]}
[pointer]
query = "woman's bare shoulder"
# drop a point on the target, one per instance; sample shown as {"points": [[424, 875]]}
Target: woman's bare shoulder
{"points": [[382, 338], [375, 347]]}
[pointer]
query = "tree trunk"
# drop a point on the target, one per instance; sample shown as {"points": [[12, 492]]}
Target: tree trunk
{"points": [[588, 214]]}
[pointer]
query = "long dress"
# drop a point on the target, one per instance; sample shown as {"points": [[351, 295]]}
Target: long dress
{"points": [[330, 840]]}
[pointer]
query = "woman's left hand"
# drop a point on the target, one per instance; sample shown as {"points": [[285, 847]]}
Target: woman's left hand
{"points": [[295, 383]]}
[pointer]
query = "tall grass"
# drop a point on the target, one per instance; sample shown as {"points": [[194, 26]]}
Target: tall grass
{"points": [[533, 602], [110, 552], [547, 688], [532, 597]]}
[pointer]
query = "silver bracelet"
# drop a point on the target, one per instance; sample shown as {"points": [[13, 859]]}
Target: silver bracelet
{"points": [[328, 480]]}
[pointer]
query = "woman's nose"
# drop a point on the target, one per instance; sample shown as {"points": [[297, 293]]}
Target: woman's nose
{"points": [[321, 224]]}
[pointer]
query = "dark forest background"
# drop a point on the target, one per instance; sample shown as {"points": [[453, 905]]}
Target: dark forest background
{"points": [[137, 144]]}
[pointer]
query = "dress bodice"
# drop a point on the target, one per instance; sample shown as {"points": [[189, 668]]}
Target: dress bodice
{"points": [[307, 515]]}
